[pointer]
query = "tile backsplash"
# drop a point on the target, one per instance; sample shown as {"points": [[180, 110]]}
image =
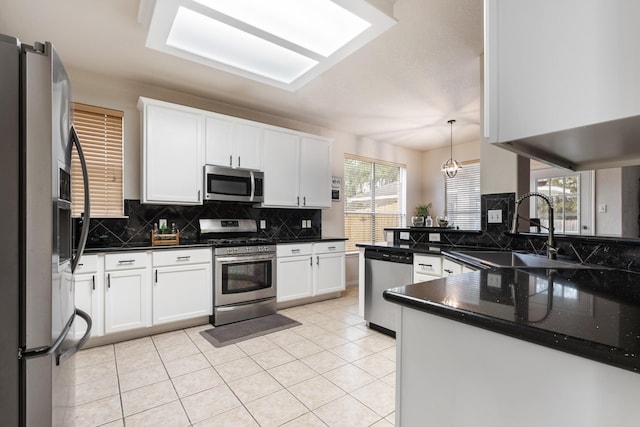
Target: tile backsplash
{"points": [[134, 230]]}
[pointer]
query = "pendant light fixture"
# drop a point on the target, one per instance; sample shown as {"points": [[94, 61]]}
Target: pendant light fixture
{"points": [[451, 167]]}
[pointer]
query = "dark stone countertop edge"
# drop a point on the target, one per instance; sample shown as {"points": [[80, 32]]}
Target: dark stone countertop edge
{"points": [[148, 246], [609, 355], [435, 230]]}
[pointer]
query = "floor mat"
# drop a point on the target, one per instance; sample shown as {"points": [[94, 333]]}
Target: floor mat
{"points": [[221, 336]]}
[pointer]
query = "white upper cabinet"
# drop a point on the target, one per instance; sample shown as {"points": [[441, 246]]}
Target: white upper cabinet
{"points": [[557, 65], [281, 168], [233, 143], [315, 172], [172, 153], [297, 170]]}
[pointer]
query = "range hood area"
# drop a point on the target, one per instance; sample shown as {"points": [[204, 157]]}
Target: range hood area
{"points": [[614, 143]]}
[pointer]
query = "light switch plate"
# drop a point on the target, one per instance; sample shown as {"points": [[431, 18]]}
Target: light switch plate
{"points": [[602, 208], [263, 224], [494, 216], [494, 280], [404, 235]]}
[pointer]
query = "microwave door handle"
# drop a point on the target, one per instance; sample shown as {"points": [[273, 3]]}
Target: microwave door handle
{"points": [[84, 234], [253, 186]]}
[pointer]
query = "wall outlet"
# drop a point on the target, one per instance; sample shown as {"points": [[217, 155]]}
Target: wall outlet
{"points": [[434, 237], [494, 280], [263, 224], [494, 216], [162, 223], [404, 235], [308, 223]]}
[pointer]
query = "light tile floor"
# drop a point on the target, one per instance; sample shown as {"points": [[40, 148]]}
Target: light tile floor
{"points": [[330, 371]]}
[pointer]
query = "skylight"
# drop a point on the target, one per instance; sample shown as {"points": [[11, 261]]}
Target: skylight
{"points": [[285, 43]]}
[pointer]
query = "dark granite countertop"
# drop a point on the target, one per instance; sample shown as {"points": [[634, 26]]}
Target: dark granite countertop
{"points": [[146, 246], [589, 313], [431, 248]]}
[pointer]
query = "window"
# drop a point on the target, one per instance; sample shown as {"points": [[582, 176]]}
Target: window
{"points": [[564, 193], [374, 194], [462, 197], [100, 133]]}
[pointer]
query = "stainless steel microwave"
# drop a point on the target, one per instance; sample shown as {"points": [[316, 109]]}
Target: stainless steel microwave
{"points": [[237, 185]]}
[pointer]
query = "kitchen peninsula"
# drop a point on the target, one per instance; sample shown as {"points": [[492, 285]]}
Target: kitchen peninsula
{"points": [[504, 347]]}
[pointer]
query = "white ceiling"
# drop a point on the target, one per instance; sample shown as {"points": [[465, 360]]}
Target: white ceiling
{"points": [[401, 88]]}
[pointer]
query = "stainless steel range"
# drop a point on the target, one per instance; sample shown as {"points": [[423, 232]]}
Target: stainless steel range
{"points": [[244, 270]]}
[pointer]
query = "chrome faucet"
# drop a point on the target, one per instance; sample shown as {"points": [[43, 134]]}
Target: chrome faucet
{"points": [[552, 250]]}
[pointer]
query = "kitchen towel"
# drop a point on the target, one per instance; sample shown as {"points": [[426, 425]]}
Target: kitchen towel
{"points": [[221, 336]]}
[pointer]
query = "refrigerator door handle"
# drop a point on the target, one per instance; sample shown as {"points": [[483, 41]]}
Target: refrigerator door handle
{"points": [[44, 351], [73, 350], [84, 234]]}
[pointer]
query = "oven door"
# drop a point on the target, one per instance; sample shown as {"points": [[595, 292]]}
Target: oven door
{"points": [[245, 278]]}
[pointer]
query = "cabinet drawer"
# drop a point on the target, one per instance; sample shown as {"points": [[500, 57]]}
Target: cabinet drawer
{"points": [[328, 247], [294, 249], [87, 264], [427, 264], [181, 257], [125, 260]]}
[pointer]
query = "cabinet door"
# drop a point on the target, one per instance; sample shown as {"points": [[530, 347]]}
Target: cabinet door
{"points": [[88, 298], [450, 268], [294, 278], [329, 273], [248, 146], [218, 142], [315, 173], [173, 164], [181, 292], [281, 169], [544, 77], [127, 300]]}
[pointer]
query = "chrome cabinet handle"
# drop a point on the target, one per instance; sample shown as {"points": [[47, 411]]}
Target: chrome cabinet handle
{"points": [[448, 271], [198, 195], [238, 161], [109, 280], [295, 251], [93, 282], [317, 260], [230, 161], [298, 200], [304, 201], [426, 265], [311, 261], [332, 248], [156, 280], [183, 258], [126, 261]]}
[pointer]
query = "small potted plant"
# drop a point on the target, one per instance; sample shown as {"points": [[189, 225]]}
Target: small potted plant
{"points": [[423, 209], [421, 215]]}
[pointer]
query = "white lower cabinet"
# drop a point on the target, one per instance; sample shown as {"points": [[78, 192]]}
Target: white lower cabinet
{"points": [[182, 284], [89, 295], [329, 267], [450, 268], [127, 303], [310, 269], [426, 267], [294, 271]]}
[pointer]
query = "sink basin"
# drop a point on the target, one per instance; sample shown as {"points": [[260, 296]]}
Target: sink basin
{"points": [[515, 260]]}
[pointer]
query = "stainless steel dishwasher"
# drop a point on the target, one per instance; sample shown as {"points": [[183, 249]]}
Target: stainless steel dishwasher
{"points": [[384, 269]]}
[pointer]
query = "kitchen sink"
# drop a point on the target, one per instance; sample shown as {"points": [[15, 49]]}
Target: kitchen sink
{"points": [[516, 260]]}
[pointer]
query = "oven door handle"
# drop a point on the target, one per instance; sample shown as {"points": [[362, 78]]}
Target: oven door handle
{"points": [[252, 257]]}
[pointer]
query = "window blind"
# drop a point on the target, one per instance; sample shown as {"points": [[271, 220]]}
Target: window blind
{"points": [[100, 133], [462, 194], [374, 194]]}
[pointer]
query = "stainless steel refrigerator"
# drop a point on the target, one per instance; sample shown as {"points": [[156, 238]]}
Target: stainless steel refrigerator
{"points": [[36, 255]]}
